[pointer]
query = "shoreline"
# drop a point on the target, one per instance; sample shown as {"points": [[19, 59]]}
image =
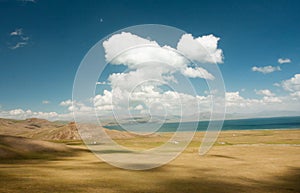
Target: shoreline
{"points": [[231, 130]]}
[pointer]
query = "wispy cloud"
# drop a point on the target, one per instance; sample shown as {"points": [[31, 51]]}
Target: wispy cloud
{"points": [[17, 32], [102, 83], [18, 39], [266, 69], [18, 45], [265, 92], [284, 60], [45, 102], [28, 1]]}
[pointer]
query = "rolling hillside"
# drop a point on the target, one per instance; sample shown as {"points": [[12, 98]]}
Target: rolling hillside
{"points": [[39, 129]]}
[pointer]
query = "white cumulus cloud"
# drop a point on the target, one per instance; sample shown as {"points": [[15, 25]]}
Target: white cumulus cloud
{"points": [[150, 67], [24, 114], [118, 43], [197, 72], [284, 60], [103, 102], [265, 92], [237, 103], [16, 112], [149, 64], [66, 103], [202, 49], [266, 69], [139, 107], [292, 84]]}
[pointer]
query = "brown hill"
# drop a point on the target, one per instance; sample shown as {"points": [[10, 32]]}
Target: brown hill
{"points": [[64, 132], [39, 129], [20, 127], [20, 147], [46, 130]]}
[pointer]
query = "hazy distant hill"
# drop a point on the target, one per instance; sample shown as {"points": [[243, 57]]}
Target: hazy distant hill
{"points": [[39, 129], [46, 130], [30, 138]]}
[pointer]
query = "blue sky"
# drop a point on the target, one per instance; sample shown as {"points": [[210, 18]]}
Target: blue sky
{"points": [[55, 36]]}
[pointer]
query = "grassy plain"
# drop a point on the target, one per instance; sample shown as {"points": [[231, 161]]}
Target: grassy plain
{"points": [[240, 161]]}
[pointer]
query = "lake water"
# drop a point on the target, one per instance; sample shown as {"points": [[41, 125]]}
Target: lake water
{"points": [[240, 124]]}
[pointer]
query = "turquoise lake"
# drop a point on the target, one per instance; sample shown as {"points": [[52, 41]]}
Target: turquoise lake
{"points": [[239, 124]]}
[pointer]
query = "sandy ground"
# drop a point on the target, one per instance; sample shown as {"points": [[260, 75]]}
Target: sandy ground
{"points": [[241, 161]]}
